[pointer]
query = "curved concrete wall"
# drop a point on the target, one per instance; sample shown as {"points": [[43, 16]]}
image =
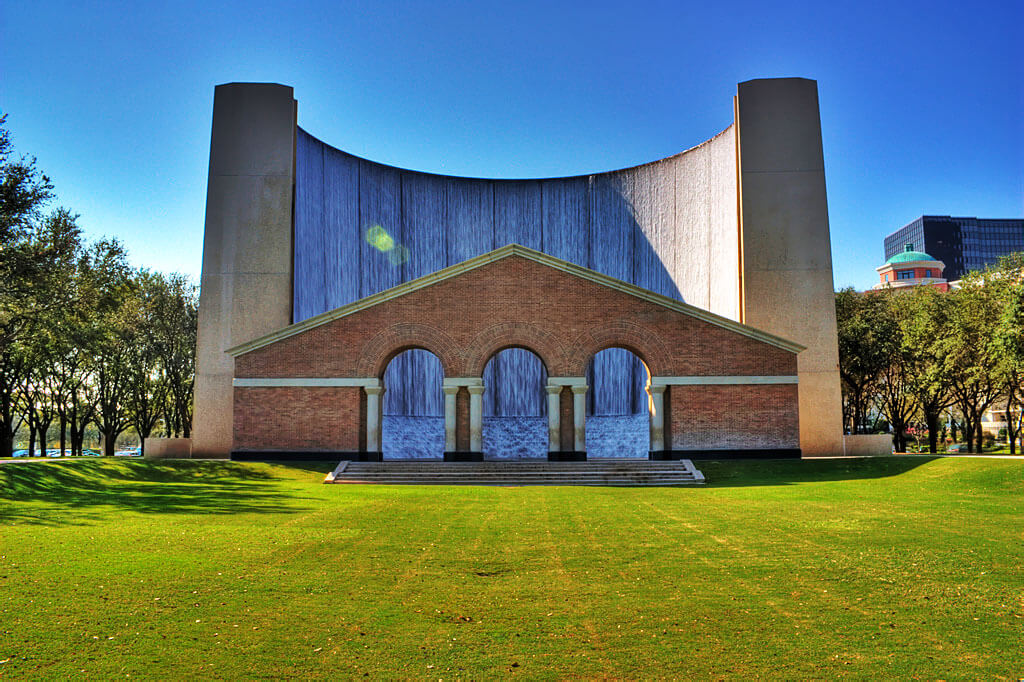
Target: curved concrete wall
{"points": [[668, 226]]}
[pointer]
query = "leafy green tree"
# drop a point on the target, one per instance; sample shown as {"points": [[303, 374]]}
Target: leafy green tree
{"points": [[173, 328], [924, 319], [1007, 281], [867, 342], [971, 357], [34, 251]]}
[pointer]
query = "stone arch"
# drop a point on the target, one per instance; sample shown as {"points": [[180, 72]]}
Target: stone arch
{"points": [[393, 340], [542, 343], [642, 342]]}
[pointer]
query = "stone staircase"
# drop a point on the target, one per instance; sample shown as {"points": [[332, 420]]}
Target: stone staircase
{"points": [[601, 472]]}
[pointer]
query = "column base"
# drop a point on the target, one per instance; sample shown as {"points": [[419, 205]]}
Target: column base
{"points": [[568, 456], [463, 456]]}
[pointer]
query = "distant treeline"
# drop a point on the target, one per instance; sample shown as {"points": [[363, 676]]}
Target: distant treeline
{"points": [[84, 338], [918, 357]]}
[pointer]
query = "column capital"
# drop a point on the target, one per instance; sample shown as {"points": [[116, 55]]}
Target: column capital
{"points": [[476, 390], [656, 388], [373, 390], [579, 390], [553, 389], [450, 390]]}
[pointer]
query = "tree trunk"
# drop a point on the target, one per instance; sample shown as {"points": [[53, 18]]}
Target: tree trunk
{"points": [[63, 433], [932, 420], [968, 431], [981, 435], [31, 440]]}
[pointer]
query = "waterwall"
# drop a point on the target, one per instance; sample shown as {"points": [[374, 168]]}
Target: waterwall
{"points": [[670, 226]]}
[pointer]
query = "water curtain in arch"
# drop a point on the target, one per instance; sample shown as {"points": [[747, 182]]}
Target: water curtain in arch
{"points": [[362, 227]]}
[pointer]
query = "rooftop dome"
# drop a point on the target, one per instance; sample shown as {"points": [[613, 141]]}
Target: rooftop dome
{"points": [[909, 256]]}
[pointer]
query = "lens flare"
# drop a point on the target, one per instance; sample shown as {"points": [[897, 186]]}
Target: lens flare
{"points": [[378, 238], [398, 255]]}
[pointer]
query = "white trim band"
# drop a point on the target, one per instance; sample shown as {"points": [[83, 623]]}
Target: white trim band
{"points": [[722, 380], [309, 382], [462, 381], [567, 381]]}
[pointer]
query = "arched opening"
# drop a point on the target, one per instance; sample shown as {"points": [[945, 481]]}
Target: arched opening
{"points": [[618, 405], [515, 405], [413, 424]]}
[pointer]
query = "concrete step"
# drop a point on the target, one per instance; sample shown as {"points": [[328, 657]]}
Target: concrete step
{"points": [[518, 473]]}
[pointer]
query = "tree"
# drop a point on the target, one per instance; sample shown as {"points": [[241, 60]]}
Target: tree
{"points": [[867, 337], [34, 251], [1007, 281], [924, 319], [173, 328], [971, 357]]}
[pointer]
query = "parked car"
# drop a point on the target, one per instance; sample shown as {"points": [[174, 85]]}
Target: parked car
{"points": [[88, 452], [19, 453]]}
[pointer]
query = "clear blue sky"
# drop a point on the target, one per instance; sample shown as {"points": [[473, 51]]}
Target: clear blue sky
{"points": [[921, 102]]}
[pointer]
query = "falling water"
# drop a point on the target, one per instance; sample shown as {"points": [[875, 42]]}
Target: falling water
{"points": [[361, 227]]}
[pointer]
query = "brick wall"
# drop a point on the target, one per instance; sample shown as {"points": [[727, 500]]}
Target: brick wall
{"points": [[734, 417], [291, 418], [516, 302]]}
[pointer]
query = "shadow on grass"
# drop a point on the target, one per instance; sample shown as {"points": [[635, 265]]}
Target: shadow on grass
{"points": [[754, 472], [68, 493]]}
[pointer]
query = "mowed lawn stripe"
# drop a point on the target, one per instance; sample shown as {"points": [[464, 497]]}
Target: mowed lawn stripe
{"points": [[888, 567]]}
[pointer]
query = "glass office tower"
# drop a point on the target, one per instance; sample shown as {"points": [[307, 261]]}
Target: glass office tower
{"points": [[963, 244]]}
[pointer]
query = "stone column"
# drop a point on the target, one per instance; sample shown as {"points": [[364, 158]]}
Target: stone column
{"points": [[579, 418], [374, 404], [554, 420], [476, 418], [450, 392], [657, 394], [246, 284]]}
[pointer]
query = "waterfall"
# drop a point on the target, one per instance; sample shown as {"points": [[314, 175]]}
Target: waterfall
{"points": [[361, 228]]}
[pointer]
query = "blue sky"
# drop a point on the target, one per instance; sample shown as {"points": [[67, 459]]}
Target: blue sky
{"points": [[921, 102]]}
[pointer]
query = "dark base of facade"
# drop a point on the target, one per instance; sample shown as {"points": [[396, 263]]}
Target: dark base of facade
{"points": [[567, 456], [304, 456], [463, 456], [772, 453]]}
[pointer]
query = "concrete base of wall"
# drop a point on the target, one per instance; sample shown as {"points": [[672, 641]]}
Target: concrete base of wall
{"points": [[874, 445], [463, 456], [567, 456], [168, 448]]}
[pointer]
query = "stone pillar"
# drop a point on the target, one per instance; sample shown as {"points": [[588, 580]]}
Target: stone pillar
{"points": [[657, 394], [476, 418], [786, 255], [579, 418], [374, 406], [450, 393], [554, 421], [246, 284]]}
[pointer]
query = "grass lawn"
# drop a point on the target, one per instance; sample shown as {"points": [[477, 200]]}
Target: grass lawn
{"points": [[890, 567]]}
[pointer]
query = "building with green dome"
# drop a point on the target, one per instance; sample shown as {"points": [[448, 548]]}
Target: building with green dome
{"points": [[911, 268]]}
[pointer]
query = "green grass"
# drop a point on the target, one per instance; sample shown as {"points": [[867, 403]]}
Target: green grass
{"points": [[866, 568]]}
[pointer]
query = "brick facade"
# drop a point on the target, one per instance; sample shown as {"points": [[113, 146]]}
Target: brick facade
{"points": [[745, 417], [517, 301]]}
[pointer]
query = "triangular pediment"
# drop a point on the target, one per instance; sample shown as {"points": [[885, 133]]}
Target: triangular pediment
{"points": [[502, 253]]}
